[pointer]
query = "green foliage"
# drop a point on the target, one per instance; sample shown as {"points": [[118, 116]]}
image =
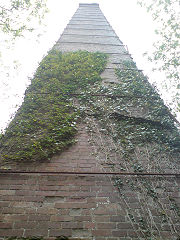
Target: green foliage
{"points": [[133, 131], [138, 117], [166, 53], [46, 121], [16, 15], [161, 127]]}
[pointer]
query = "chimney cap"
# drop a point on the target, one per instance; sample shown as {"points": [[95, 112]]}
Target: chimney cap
{"points": [[88, 4]]}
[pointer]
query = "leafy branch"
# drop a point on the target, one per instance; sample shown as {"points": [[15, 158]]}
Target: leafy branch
{"points": [[166, 52], [17, 16]]}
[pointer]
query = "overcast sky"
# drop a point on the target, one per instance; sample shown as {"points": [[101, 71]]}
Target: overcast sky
{"points": [[131, 23]]}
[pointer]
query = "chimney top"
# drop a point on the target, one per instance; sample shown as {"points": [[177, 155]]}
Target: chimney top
{"points": [[88, 4]]}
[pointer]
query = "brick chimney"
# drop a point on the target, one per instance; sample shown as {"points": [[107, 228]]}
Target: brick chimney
{"points": [[78, 193]]}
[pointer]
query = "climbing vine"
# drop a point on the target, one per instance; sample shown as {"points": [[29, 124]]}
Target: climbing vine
{"points": [[138, 116], [46, 121], [132, 130]]}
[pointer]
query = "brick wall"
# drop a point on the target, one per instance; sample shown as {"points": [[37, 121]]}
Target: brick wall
{"points": [[62, 205], [85, 206]]}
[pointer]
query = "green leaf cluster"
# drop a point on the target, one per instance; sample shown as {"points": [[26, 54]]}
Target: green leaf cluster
{"points": [[138, 117], [165, 54], [46, 122], [18, 16]]}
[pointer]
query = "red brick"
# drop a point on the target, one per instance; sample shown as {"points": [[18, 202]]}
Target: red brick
{"points": [[87, 194], [7, 192], [5, 225], [49, 225], [101, 233], [4, 204], [102, 219], [49, 211], [105, 194], [76, 199], [107, 189], [85, 212], [60, 194], [49, 188], [71, 225], [13, 210], [71, 188], [56, 233], [85, 188], [119, 233], [11, 182], [25, 193], [22, 204], [98, 200], [96, 188], [117, 219], [10, 233], [36, 232], [64, 211], [16, 217], [104, 183], [4, 187], [84, 183], [89, 225], [40, 217], [82, 218], [25, 225], [124, 226], [31, 181], [106, 225], [7, 210], [21, 198], [75, 205], [33, 199], [61, 218], [23, 187], [104, 211], [113, 198]]}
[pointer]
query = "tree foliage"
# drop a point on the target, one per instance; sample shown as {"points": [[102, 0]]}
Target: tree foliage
{"points": [[18, 16], [166, 53]]}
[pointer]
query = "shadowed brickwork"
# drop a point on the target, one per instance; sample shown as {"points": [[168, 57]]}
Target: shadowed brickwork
{"points": [[61, 205], [91, 207]]}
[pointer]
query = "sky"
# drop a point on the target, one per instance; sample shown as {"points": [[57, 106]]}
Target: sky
{"points": [[131, 23]]}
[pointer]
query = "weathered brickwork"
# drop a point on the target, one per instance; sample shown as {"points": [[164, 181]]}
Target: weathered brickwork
{"points": [[92, 207], [61, 205], [82, 207]]}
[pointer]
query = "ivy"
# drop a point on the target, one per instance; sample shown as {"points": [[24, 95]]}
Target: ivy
{"points": [[133, 131], [138, 117], [46, 122]]}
